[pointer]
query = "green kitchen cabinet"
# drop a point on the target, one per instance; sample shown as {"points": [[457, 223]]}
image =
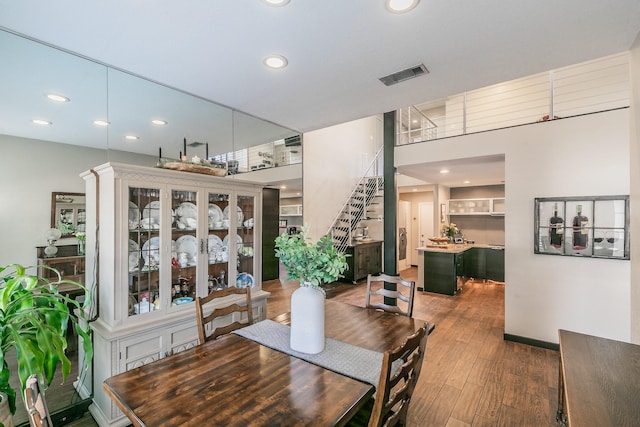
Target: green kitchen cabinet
{"points": [[441, 271], [494, 266], [363, 259]]}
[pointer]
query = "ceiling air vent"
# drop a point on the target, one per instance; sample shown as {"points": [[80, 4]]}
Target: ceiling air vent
{"points": [[403, 75]]}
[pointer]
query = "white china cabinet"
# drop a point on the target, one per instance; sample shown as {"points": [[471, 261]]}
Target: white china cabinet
{"points": [[164, 237]]}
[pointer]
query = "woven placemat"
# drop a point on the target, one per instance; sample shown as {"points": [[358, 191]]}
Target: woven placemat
{"points": [[346, 359]]}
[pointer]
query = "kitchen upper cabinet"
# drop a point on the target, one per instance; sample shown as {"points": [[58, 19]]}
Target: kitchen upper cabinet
{"points": [[488, 206]]}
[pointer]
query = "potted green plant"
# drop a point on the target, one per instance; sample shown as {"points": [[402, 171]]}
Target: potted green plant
{"points": [[34, 319], [312, 264]]}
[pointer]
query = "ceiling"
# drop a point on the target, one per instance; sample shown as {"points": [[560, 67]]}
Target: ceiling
{"points": [[337, 50]]}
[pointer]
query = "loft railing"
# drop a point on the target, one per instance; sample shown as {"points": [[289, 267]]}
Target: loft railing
{"points": [[594, 86], [414, 126]]}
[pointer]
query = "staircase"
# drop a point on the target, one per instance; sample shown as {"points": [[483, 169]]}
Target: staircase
{"points": [[365, 204]]}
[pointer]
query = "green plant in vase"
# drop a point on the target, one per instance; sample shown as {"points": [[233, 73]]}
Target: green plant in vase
{"points": [[34, 319], [311, 263]]}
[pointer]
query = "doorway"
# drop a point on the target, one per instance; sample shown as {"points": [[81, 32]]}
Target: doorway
{"points": [[425, 227]]}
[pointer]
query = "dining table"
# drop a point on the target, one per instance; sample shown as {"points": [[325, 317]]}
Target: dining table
{"points": [[236, 380]]}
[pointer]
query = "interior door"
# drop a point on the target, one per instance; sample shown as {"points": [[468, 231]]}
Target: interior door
{"points": [[425, 228], [405, 244]]}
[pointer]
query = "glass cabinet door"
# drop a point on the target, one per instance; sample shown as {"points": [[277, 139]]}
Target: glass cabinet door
{"points": [[244, 224], [144, 250], [184, 246], [218, 242]]}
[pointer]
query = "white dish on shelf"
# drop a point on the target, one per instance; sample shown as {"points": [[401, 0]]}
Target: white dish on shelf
{"points": [[134, 215], [225, 241], [134, 260], [133, 245], [214, 244], [189, 245], [187, 210], [152, 212], [151, 252], [225, 214], [215, 214]]}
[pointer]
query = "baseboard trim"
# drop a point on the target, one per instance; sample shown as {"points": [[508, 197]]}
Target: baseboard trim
{"points": [[530, 341]]}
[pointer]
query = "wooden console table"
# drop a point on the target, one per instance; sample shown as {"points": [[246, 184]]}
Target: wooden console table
{"points": [[599, 381]]}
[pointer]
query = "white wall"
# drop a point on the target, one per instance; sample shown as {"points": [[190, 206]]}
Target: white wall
{"points": [[581, 156], [31, 170], [334, 160], [635, 188]]}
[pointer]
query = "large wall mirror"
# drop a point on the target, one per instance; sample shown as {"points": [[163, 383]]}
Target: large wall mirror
{"points": [[133, 119], [106, 115]]}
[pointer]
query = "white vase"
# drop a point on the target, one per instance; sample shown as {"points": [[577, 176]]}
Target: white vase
{"points": [[307, 319]]}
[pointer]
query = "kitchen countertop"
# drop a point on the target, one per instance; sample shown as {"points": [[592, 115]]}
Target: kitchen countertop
{"points": [[456, 248]]}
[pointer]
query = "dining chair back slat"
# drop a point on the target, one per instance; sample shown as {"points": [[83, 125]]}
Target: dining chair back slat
{"points": [[36, 405], [396, 384], [244, 311], [378, 297]]}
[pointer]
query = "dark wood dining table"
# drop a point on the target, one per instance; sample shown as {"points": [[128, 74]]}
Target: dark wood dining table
{"points": [[236, 381]]}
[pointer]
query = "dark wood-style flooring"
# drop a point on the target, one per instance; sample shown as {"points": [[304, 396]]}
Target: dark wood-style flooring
{"points": [[471, 376]]}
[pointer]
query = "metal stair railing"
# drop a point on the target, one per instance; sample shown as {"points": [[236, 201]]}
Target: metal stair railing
{"points": [[355, 208]]}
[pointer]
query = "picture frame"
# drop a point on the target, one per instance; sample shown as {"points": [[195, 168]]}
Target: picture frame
{"points": [[443, 213], [282, 223], [590, 226]]}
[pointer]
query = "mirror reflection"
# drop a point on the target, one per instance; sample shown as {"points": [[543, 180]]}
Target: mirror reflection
{"points": [[102, 114], [68, 213]]}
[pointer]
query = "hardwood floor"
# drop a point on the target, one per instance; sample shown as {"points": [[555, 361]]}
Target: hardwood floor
{"points": [[470, 376]]}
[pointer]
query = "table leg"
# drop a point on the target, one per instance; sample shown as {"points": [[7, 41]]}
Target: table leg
{"points": [[560, 413]]}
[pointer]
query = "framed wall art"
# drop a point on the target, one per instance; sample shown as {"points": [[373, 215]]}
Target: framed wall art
{"points": [[595, 227]]}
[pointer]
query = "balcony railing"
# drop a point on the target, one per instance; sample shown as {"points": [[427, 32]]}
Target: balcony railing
{"points": [[269, 155], [589, 87]]}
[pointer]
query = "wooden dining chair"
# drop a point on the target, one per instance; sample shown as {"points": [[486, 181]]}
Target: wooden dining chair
{"points": [[402, 296], [401, 368], [37, 410], [221, 310]]}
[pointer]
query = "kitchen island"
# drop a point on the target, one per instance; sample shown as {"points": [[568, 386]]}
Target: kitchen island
{"points": [[441, 266]]}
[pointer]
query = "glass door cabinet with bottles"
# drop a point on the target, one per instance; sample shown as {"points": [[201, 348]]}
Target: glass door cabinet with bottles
{"points": [[164, 238]]}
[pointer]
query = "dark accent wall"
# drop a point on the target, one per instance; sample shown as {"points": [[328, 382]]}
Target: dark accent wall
{"points": [[390, 209], [270, 217]]}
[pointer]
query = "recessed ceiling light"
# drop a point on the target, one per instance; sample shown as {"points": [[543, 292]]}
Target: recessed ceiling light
{"points": [[159, 122], [132, 137], [275, 61], [283, 187], [42, 122], [401, 6], [466, 182], [276, 2], [57, 98], [101, 122], [444, 171]]}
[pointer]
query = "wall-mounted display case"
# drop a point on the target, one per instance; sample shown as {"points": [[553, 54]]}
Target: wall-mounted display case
{"points": [[582, 226]]}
